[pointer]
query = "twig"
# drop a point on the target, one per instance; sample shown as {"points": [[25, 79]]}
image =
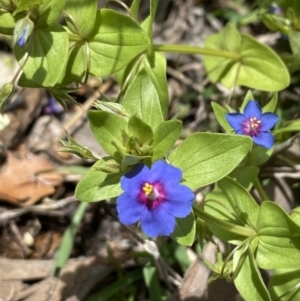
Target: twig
{"points": [[39, 209]]}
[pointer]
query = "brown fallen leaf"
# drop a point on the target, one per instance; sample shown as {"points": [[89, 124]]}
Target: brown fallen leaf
{"points": [[25, 178]]}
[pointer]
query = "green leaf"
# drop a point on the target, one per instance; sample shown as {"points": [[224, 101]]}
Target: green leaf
{"points": [[185, 230], [259, 67], [210, 157], [49, 12], [294, 39], [289, 126], [182, 257], [249, 96], [61, 94], [5, 93], [67, 243], [27, 5], [111, 107], [285, 283], [139, 129], [274, 221], [152, 283], [97, 185], [7, 23], [245, 175], [83, 13], [241, 201], [295, 214], [153, 8], [71, 146], [248, 281], [279, 238], [130, 160], [114, 42], [155, 66], [259, 155], [142, 99], [271, 105], [107, 129], [220, 114], [48, 52], [165, 136], [77, 65], [218, 206], [134, 8]]}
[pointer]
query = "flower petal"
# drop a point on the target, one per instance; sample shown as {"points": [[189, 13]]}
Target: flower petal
{"points": [[165, 173], [157, 222], [129, 209], [179, 193], [264, 139], [268, 120], [252, 109], [134, 179], [236, 120], [177, 209]]}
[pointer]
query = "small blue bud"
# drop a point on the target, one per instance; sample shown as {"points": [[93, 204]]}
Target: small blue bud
{"points": [[22, 32]]}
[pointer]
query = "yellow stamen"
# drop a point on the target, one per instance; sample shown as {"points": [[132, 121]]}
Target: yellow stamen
{"points": [[147, 188]]}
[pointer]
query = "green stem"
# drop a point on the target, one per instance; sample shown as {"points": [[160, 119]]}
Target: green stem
{"points": [[262, 194], [197, 50], [229, 227]]}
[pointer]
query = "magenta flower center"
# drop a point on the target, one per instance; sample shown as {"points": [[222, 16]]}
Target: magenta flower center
{"points": [[251, 126], [152, 194]]}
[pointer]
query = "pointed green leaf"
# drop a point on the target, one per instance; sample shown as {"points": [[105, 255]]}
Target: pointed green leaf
{"points": [[259, 155], [5, 93], [259, 67], [210, 157], [289, 126], [97, 185], [142, 99], [71, 146], [249, 281], [165, 136], [134, 8], [48, 52], [220, 113], [76, 65], [245, 175], [249, 96], [271, 105], [49, 12], [285, 284], [279, 238], [185, 230], [83, 13], [114, 42], [155, 67], [152, 283], [7, 23], [140, 129], [27, 5], [107, 129], [241, 201]]}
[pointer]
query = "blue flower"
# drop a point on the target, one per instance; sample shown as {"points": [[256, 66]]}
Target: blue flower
{"points": [[154, 197], [254, 123]]}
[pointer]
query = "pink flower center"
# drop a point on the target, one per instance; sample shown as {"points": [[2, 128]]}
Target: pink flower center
{"points": [[152, 194], [251, 127]]}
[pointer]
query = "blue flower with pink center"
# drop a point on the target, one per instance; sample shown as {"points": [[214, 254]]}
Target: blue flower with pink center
{"points": [[154, 197], [254, 123]]}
